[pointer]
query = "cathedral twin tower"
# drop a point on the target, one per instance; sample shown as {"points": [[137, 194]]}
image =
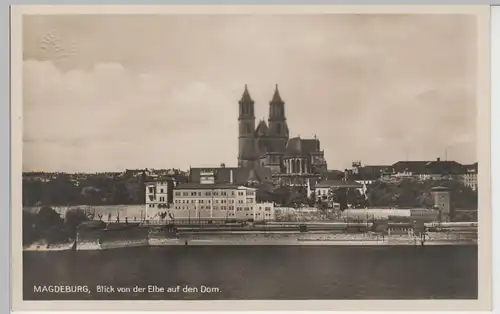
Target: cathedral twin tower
{"points": [[266, 144]]}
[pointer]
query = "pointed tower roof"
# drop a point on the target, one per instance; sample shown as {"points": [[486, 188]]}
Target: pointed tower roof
{"points": [[246, 96], [262, 128], [276, 96]]}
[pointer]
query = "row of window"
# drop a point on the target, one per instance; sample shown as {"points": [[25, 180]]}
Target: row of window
{"points": [[209, 193], [160, 199], [233, 214], [249, 200], [151, 190], [223, 207], [214, 208], [154, 205], [267, 209]]}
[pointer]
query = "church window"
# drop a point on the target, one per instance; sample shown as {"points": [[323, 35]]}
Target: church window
{"points": [[278, 128]]}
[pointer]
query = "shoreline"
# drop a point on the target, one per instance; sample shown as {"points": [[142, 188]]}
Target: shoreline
{"points": [[98, 242]]}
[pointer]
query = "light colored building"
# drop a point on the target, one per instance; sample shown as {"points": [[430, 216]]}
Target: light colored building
{"points": [[394, 214], [469, 178], [157, 197], [216, 202], [263, 212], [213, 201], [322, 189], [441, 196]]}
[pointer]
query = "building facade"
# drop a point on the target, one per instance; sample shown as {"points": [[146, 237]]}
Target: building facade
{"points": [[229, 175], [469, 178], [158, 196], [292, 161], [441, 196], [323, 188], [216, 202]]}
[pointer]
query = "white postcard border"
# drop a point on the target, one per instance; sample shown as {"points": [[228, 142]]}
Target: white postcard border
{"points": [[484, 159]]}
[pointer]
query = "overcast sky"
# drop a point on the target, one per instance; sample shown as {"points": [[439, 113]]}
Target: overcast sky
{"points": [[105, 93]]}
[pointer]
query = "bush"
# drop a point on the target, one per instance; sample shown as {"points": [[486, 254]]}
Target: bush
{"points": [[73, 219], [30, 233]]}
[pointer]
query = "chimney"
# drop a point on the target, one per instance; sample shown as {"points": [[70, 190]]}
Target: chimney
{"points": [[231, 176]]}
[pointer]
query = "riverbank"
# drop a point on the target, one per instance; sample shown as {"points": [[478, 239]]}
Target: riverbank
{"points": [[105, 239]]}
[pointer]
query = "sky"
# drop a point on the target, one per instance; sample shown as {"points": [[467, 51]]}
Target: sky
{"points": [[115, 92]]}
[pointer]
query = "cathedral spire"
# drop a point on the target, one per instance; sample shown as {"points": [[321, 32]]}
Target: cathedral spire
{"points": [[245, 98], [276, 96]]}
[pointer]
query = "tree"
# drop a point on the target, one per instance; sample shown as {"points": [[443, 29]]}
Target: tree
{"points": [[50, 226], [30, 233], [120, 194], [48, 218], [312, 199], [73, 219], [414, 193]]}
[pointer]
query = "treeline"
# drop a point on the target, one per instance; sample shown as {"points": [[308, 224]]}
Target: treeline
{"points": [[412, 193], [93, 190], [49, 226], [403, 194]]}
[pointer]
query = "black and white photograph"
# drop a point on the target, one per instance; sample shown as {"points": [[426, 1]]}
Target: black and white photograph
{"points": [[251, 155]]}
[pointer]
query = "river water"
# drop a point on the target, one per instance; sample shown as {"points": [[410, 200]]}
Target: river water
{"points": [[257, 272]]}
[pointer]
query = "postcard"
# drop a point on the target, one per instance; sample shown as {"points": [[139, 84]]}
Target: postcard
{"points": [[250, 157]]}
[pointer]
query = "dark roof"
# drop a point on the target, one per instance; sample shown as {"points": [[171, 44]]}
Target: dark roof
{"points": [[338, 183], [262, 129], [473, 166], [301, 147], [410, 166], [334, 175], [429, 167], [199, 186], [445, 167], [369, 172], [240, 175]]}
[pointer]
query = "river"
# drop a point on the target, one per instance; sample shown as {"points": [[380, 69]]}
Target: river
{"points": [[258, 272]]}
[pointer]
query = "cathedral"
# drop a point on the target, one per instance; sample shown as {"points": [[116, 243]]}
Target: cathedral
{"points": [[292, 161]]}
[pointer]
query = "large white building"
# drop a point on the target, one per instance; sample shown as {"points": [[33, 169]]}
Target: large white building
{"points": [[322, 189], [207, 201], [469, 178], [210, 201]]}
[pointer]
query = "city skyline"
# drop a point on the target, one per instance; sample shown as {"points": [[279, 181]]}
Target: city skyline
{"points": [[164, 92]]}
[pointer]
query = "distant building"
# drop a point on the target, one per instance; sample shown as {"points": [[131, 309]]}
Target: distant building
{"points": [[469, 178], [264, 211], [292, 161], [159, 196], [391, 214], [323, 188], [432, 170], [366, 174], [223, 175], [441, 196], [425, 170]]}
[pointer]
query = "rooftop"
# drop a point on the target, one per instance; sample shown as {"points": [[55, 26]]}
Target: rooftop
{"points": [[200, 186], [240, 176], [338, 183]]}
